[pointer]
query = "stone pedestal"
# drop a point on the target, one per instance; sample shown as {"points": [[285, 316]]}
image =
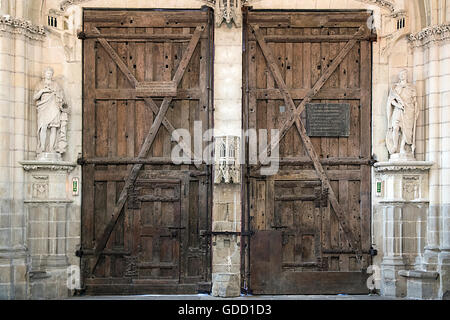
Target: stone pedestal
{"points": [[403, 203], [46, 205]]}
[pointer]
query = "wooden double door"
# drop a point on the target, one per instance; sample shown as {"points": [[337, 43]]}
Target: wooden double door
{"points": [[306, 229], [308, 75], [146, 73]]}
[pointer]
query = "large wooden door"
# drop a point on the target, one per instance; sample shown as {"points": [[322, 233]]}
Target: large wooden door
{"points": [[309, 223], [146, 74]]}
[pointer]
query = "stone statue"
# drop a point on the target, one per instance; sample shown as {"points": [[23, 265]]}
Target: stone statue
{"points": [[402, 115], [52, 117]]}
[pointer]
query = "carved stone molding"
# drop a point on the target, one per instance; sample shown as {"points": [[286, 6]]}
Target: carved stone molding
{"points": [[392, 166], [21, 27], [430, 35], [381, 3], [44, 165]]}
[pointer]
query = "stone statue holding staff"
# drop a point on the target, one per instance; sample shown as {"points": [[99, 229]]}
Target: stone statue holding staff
{"points": [[402, 114]]}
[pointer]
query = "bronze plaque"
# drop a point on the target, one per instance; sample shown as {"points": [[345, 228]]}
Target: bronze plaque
{"points": [[328, 119]]}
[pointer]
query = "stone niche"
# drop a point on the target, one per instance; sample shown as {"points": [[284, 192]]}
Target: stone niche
{"points": [[402, 204], [47, 205]]}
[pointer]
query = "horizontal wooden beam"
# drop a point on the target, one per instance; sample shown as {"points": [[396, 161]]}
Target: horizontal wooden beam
{"points": [[291, 175], [121, 175], [126, 161], [314, 38], [326, 162], [296, 198], [152, 198], [138, 36], [131, 94], [299, 94]]}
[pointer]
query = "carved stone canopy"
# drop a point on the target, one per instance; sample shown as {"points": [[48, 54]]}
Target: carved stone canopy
{"points": [[227, 153]]}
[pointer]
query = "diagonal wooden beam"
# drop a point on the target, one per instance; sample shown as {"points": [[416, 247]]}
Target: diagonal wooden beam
{"points": [[295, 113], [150, 103], [172, 131], [150, 138], [115, 57]]}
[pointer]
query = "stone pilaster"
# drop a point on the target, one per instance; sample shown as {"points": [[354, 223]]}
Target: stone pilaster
{"points": [[17, 39], [227, 189]]}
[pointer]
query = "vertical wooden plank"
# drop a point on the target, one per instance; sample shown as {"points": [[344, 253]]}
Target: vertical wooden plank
{"points": [[87, 227], [184, 113], [289, 138], [334, 223], [271, 104], [300, 228], [203, 102], [270, 199], [314, 64], [156, 243], [326, 227], [167, 76], [365, 145], [298, 56], [186, 202], [325, 57], [158, 75], [260, 219], [253, 109], [88, 219], [100, 216], [344, 202], [149, 57]]}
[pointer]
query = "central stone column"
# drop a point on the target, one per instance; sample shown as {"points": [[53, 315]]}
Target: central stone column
{"points": [[226, 220]]}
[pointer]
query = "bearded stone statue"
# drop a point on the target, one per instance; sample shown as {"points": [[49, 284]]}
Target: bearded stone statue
{"points": [[402, 114], [52, 117]]}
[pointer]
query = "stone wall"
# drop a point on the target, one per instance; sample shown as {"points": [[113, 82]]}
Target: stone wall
{"points": [[20, 59], [431, 49]]}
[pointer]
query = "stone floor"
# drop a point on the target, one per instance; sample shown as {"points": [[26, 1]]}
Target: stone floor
{"points": [[245, 298]]}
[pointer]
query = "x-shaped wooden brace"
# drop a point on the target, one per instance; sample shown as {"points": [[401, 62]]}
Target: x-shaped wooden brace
{"points": [[294, 118], [151, 135]]}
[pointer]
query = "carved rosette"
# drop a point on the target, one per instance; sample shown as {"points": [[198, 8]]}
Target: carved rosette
{"points": [[227, 166]]}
